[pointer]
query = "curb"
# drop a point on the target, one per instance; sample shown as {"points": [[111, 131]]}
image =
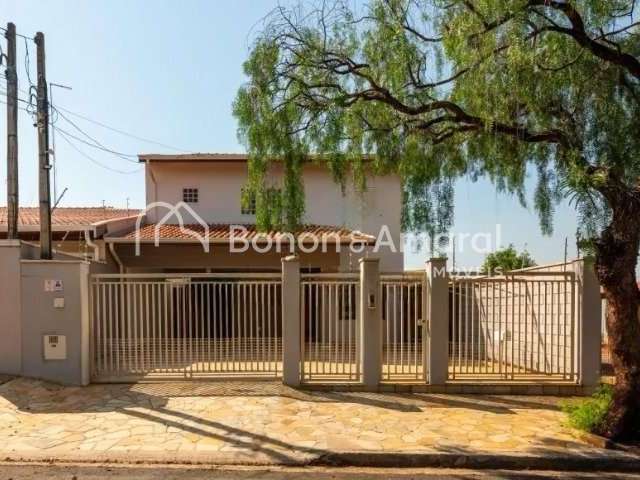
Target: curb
{"points": [[611, 461]]}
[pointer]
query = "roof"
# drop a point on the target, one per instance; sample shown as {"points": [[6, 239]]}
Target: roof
{"points": [[221, 233], [194, 157], [205, 157], [66, 218]]}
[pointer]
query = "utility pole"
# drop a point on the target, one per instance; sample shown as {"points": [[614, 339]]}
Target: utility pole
{"points": [[43, 153], [12, 134]]}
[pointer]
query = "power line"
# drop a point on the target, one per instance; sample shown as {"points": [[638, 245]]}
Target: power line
{"points": [[96, 143], [122, 132], [58, 108], [93, 160], [18, 34]]}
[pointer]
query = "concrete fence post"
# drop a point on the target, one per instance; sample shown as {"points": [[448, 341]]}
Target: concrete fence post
{"points": [[10, 308], [590, 314], [291, 322], [370, 322], [438, 320], [85, 323]]}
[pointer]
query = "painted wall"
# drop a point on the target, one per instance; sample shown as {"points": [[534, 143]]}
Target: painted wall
{"points": [[191, 257], [10, 308], [39, 318], [220, 186]]}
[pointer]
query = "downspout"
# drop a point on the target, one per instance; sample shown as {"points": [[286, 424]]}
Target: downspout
{"points": [[91, 244], [116, 257], [155, 183]]}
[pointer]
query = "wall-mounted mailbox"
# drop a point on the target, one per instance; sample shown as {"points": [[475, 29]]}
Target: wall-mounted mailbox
{"points": [[55, 347]]}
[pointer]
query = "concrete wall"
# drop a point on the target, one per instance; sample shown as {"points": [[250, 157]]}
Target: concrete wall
{"points": [[10, 308], [40, 317], [540, 321], [220, 186]]}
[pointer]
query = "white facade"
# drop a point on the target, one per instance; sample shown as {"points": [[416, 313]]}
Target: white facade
{"points": [[219, 185]]}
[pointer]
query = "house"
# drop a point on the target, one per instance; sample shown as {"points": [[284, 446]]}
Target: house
{"points": [[166, 293], [211, 185], [208, 190]]}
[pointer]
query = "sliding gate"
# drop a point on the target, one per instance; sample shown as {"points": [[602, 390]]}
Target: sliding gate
{"points": [[186, 325]]}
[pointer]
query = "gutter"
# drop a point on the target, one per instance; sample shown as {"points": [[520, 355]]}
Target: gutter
{"points": [[153, 179]]}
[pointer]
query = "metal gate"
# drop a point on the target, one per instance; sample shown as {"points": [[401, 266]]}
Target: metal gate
{"points": [[404, 333], [523, 326], [330, 313], [186, 325]]}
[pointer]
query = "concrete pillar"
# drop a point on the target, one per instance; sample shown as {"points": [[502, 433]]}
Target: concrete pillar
{"points": [[291, 321], [371, 322], [85, 324], [11, 309], [438, 318], [590, 313]]}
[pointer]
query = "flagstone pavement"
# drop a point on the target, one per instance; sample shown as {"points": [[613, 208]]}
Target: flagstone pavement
{"points": [[265, 422]]}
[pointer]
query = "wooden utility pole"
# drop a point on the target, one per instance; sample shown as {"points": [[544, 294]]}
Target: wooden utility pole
{"points": [[12, 133], [43, 153]]}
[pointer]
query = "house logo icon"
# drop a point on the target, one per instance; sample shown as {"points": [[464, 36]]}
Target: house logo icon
{"points": [[172, 211]]}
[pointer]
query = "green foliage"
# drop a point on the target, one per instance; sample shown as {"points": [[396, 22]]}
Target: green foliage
{"points": [[506, 259], [589, 414], [438, 89]]}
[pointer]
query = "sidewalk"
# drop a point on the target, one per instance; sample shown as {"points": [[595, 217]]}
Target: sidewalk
{"points": [[265, 423]]}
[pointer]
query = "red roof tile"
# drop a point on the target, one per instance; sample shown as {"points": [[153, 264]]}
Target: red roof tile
{"points": [[61, 216], [222, 232]]}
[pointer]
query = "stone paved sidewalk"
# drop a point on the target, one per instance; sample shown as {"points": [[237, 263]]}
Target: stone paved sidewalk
{"points": [[266, 423]]}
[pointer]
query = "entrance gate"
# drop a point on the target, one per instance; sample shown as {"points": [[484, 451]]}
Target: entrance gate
{"points": [[186, 325]]}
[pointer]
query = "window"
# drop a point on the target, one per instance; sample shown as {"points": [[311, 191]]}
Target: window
{"points": [[190, 195], [248, 202]]}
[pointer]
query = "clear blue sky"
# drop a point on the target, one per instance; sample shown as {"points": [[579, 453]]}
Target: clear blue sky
{"points": [[169, 71]]}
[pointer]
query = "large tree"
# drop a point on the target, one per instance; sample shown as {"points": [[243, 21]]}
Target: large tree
{"points": [[437, 89]]}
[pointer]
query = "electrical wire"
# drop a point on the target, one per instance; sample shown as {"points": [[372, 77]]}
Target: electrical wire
{"points": [[93, 160], [122, 132], [96, 143], [88, 157], [18, 34]]}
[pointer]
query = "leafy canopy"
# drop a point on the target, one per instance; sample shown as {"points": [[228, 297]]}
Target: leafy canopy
{"points": [[438, 89], [506, 259]]}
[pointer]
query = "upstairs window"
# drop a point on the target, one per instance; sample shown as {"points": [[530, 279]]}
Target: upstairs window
{"points": [[190, 195], [247, 202]]}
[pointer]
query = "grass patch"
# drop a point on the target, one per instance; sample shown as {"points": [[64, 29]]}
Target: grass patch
{"points": [[588, 414]]}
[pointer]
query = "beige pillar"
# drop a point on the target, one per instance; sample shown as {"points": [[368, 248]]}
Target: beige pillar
{"points": [[85, 323], [590, 315], [438, 320], [291, 322], [371, 322]]}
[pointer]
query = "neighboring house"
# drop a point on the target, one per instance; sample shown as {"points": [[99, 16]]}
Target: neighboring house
{"points": [[211, 186], [74, 230]]}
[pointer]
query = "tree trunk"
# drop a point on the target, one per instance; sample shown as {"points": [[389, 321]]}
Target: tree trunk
{"points": [[616, 259]]}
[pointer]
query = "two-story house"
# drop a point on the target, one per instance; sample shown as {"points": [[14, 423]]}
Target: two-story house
{"points": [[346, 224], [208, 188]]}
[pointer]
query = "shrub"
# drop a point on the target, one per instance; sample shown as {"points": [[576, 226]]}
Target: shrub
{"points": [[588, 414]]}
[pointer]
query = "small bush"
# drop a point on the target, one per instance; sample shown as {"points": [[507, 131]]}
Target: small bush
{"points": [[589, 414]]}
